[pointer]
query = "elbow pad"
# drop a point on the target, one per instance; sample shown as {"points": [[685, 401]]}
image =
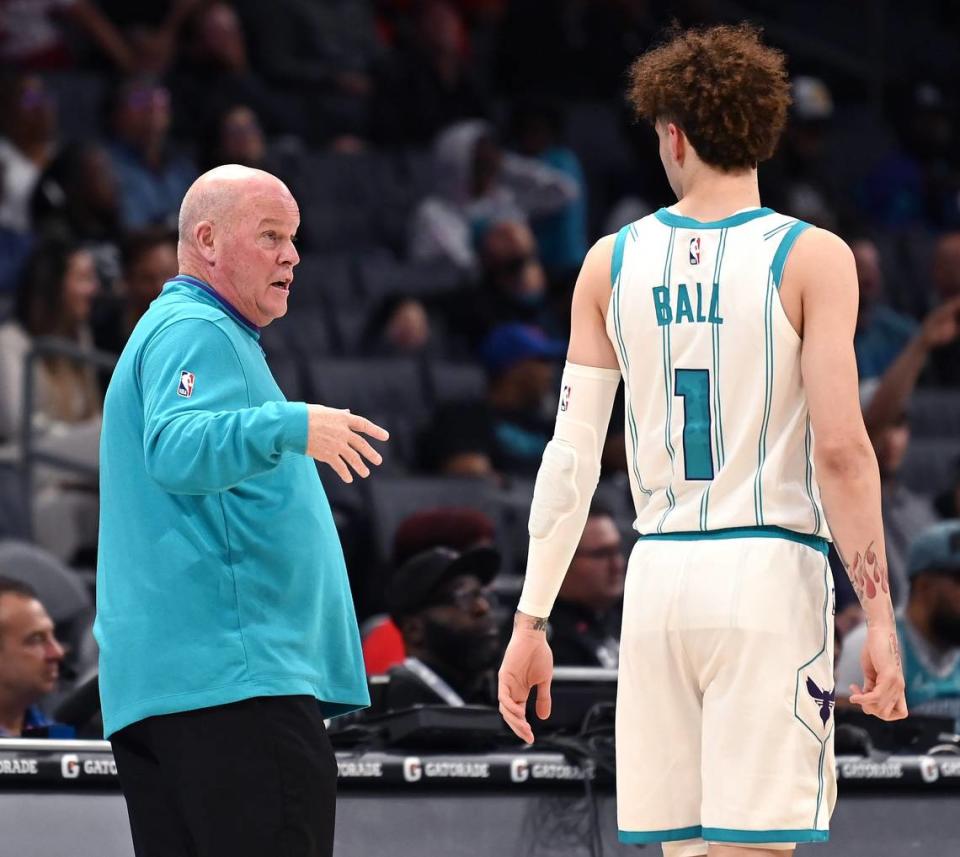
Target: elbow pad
{"points": [[566, 482]]}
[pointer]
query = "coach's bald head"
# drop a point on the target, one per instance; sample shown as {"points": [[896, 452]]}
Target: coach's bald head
{"points": [[237, 226]]}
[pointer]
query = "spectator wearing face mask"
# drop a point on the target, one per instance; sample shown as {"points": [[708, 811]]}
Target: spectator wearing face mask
{"points": [[928, 627], [438, 599]]}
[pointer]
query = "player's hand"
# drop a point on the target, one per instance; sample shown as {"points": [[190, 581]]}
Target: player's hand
{"points": [[335, 437], [882, 694], [527, 661]]}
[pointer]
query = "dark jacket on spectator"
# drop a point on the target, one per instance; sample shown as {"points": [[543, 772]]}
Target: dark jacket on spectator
{"points": [[581, 638]]}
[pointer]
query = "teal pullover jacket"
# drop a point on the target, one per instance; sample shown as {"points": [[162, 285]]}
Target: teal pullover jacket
{"points": [[220, 574]]}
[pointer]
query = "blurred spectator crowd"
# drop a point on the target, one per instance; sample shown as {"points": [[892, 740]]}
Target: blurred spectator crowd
{"points": [[453, 160]]}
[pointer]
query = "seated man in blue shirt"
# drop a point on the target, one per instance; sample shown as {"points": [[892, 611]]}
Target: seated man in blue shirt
{"points": [[30, 658], [929, 627]]}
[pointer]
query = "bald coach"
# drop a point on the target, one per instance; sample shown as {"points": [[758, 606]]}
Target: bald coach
{"points": [[224, 617]]}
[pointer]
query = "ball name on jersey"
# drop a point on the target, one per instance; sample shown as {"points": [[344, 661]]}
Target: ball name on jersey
{"points": [[686, 307]]}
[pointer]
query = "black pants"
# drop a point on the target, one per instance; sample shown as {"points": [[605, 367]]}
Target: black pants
{"points": [[256, 778]]}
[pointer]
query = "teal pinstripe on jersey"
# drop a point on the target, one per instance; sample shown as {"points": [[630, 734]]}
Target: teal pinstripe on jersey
{"points": [[702, 300], [617, 262]]}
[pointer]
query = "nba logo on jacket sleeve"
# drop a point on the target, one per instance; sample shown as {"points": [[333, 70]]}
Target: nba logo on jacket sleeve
{"points": [[695, 251], [186, 385]]}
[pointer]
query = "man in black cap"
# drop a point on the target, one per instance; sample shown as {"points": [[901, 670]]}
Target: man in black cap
{"points": [[438, 600]]}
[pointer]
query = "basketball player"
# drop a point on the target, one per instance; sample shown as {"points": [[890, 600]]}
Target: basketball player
{"points": [[732, 328]]}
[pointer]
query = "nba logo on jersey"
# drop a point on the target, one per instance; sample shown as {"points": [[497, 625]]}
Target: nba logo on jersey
{"points": [[564, 398], [695, 251], [186, 385]]}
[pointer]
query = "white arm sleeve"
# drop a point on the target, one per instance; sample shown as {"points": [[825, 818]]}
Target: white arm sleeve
{"points": [[566, 481]]}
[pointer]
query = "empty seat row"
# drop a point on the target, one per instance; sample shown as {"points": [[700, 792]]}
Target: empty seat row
{"points": [[377, 385], [353, 201], [361, 280]]}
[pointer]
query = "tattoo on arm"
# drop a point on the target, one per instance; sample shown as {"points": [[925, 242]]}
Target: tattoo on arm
{"points": [[531, 623], [868, 575], [895, 648]]}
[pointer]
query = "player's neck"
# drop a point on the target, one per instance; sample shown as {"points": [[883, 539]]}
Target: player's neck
{"points": [[712, 195]]}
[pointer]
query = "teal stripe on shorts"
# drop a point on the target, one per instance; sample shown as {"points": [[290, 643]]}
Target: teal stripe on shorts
{"points": [[752, 837], [815, 542], [643, 837]]}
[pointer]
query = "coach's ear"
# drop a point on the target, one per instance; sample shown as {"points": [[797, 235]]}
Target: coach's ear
{"points": [[203, 235]]}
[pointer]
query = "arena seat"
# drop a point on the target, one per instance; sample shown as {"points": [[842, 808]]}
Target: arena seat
{"points": [[450, 382], [349, 324], [369, 386], [382, 274], [346, 196], [393, 499], [323, 279], [308, 331]]}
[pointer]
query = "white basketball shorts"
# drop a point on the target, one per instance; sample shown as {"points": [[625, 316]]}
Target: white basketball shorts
{"points": [[725, 702]]}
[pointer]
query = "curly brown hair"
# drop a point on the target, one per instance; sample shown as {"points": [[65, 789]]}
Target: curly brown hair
{"points": [[724, 87]]}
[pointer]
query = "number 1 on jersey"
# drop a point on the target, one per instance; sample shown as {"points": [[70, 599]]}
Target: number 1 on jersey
{"points": [[693, 385]]}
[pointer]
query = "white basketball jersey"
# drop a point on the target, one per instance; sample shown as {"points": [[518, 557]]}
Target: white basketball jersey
{"points": [[717, 426]]}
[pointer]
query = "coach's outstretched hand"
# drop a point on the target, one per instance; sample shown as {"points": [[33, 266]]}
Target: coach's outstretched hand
{"points": [[883, 687], [528, 661], [335, 437]]}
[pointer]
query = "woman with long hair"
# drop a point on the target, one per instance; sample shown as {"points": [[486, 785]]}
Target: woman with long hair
{"points": [[54, 299]]}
